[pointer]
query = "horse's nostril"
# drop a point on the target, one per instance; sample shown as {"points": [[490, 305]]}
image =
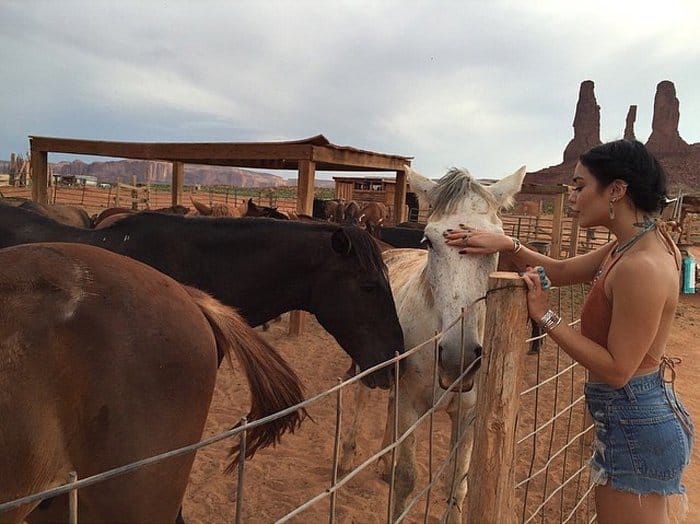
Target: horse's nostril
{"points": [[477, 351]]}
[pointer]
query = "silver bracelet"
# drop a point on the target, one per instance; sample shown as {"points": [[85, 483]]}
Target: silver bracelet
{"points": [[549, 321], [517, 246]]}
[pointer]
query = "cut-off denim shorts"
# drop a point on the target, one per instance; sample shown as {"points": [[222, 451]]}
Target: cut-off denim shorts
{"points": [[643, 436]]}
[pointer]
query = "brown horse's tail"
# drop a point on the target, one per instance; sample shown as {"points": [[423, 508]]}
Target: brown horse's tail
{"points": [[274, 386]]}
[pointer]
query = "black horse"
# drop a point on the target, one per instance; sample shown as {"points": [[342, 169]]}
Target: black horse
{"points": [[263, 267]]}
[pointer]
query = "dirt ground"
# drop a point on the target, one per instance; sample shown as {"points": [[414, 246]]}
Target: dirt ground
{"points": [[278, 480]]}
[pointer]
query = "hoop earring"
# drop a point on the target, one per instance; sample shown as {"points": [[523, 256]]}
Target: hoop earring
{"points": [[611, 210]]}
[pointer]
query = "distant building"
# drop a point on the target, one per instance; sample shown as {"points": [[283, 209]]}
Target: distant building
{"points": [[375, 189], [4, 180], [75, 180]]}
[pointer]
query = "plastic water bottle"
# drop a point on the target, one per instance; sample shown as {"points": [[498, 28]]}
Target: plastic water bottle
{"points": [[689, 275]]}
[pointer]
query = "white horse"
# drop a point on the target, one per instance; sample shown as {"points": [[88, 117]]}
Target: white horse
{"points": [[430, 289]]}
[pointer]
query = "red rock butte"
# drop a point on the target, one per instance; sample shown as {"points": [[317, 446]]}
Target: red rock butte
{"points": [[680, 159]]}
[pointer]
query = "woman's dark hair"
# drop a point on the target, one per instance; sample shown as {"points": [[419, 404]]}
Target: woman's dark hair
{"points": [[630, 161]]}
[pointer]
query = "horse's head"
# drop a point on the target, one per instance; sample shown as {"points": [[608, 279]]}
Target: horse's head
{"points": [[459, 281], [352, 299]]}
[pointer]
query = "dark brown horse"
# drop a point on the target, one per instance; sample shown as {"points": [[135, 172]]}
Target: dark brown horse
{"points": [[100, 218], [262, 267], [105, 361]]}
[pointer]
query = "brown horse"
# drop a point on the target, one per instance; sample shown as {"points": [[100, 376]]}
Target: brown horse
{"points": [[105, 361], [65, 214], [373, 215]]}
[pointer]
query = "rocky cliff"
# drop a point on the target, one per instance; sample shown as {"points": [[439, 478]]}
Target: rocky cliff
{"points": [[680, 159], [161, 173], [586, 123]]}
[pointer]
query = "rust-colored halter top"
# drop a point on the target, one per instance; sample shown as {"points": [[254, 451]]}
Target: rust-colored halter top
{"points": [[597, 313]]}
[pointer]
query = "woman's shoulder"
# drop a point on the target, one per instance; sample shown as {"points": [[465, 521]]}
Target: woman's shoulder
{"points": [[645, 267]]}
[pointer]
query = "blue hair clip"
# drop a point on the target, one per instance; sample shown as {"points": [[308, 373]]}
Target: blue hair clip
{"points": [[543, 278]]}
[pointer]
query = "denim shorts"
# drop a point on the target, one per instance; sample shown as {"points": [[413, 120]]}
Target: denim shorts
{"points": [[643, 436]]}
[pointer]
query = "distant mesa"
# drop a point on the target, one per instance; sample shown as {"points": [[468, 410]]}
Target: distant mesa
{"points": [[680, 159], [161, 173]]}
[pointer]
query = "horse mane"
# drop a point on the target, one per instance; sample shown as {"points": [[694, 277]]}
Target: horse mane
{"points": [[366, 248], [363, 244], [452, 188]]}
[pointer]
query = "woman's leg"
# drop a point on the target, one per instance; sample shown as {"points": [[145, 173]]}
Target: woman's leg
{"points": [[621, 507]]}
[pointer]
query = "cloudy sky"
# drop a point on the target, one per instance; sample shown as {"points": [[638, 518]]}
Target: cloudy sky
{"points": [[487, 85]]}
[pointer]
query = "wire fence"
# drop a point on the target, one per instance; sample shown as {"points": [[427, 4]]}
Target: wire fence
{"points": [[551, 476], [554, 433]]}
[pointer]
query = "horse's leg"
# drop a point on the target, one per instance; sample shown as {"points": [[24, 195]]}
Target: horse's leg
{"points": [[385, 460], [413, 401], [456, 487], [350, 439]]}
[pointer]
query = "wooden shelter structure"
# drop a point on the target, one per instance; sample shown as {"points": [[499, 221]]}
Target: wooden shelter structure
{"points": [[383, 190], [306, 156]]}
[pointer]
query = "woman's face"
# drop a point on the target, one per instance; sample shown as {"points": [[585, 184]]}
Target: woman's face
{"points": [[587, 200]]}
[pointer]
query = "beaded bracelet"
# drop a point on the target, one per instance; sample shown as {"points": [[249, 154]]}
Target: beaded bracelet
{"points": [[517, 246], [549, 321]]}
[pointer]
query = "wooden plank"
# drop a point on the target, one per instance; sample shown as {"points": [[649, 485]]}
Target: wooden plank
{"points": [[557, 225], [178, 183], [173, 151], [573, 237], [40, 176], [400, 197], [536, 189], [261, 154], [348, 158], [491, 471]]}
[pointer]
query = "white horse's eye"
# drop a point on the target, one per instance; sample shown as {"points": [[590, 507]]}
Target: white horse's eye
{"points": [[425, 241]]}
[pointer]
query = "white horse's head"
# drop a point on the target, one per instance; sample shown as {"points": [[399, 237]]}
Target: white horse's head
{"points": [[456, 280]]}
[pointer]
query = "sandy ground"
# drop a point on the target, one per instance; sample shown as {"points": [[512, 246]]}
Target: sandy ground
{"points": [[280, 479]]}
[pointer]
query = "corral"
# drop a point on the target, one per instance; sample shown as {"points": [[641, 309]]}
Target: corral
{"points": [[366, 485]]}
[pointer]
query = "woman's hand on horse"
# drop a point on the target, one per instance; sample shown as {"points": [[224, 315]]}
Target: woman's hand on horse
{"points": [[471, 241], [537, 297]]}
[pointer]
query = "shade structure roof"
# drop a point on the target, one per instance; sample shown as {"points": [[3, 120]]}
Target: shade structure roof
{"points": [[260, 155]]}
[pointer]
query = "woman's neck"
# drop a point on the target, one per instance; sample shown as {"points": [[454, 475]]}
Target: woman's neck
{"points": [[630, 225]]}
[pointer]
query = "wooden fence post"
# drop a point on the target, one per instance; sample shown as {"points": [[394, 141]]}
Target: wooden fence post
{"points": [[557, 222], [490, 498]]}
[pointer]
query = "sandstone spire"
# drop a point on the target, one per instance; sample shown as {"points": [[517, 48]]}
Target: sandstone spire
{"points": [[664, 138], [586, 123], [629, 123]]}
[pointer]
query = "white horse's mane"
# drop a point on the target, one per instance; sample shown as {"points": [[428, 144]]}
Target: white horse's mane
{"points": [[452, 188]]}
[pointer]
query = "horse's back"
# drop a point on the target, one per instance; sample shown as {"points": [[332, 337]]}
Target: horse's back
{"points": [[65, 214]]}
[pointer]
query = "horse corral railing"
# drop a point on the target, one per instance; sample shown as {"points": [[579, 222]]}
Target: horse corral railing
{"points": [[530, 449]]}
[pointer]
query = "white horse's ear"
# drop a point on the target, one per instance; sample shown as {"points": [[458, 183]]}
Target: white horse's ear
{"points": [[505, 189], [420, 185]]}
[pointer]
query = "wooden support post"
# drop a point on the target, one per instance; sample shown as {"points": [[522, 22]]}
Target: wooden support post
{"points": [[13, 169], [116, 193], [134, 194], [178, 183], [557, 225], [305, 189], [400, 198], [490, 498], [573, 241], [40, 176], [305, 205]]}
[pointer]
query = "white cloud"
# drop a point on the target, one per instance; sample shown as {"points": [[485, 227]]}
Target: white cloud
{"points": [[483, 85]]}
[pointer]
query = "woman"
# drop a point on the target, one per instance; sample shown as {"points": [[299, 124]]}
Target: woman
{"points": [[643, 432]]}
